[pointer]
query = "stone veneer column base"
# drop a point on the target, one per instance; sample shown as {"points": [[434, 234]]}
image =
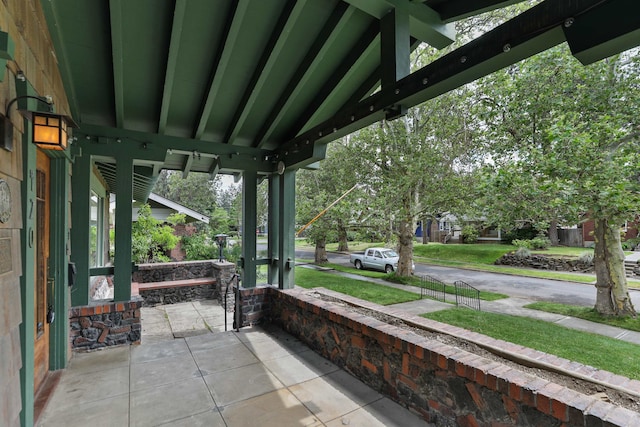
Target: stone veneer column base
{"points": [[104, 325]]}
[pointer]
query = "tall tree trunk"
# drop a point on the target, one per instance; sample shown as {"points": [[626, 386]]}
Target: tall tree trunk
{"points": [[321, 251], [343, 245], [405, 248], [426, 224], [612, 297], [553, 233]]}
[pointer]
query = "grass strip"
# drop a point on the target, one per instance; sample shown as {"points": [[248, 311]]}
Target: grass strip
{"points": [[601, 352], [410, 281], [586, 313], [379, 294]]}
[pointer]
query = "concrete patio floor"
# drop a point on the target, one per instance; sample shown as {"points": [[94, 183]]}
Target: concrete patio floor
{"points": [[189, 372]]}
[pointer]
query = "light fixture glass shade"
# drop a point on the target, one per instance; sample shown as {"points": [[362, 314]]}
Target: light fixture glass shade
{"points": [[49, 131]]}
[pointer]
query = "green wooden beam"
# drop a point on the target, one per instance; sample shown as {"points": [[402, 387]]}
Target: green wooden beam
{"points": [[58, 263], [187, 166], [272, 53], [273, 224], [28, 279], [336, 21], [286, 227], [531, 32], [395, 44], [55, 31], [123, 218], [117, 53], [249, 223], [221, 66], [426, 24], [7, 46], [368, 38], [605, 30], [172, 62], [80, 220]]}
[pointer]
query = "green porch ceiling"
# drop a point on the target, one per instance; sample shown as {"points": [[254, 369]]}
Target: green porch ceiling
{"points": [[238, 86]]}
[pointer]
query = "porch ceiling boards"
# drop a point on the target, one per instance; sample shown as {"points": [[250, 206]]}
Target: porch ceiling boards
{"points": [[223, 86]]}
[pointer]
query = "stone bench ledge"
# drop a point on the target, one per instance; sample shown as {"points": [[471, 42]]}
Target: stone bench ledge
{"points": [[174, 283]]}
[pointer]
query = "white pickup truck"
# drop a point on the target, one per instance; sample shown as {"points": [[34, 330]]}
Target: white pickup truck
{"points": [[382, 259]]}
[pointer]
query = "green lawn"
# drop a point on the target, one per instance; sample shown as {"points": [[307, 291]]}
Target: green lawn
{"points": [[620, 357], [379, 294], [586, 313], [410, 281]]}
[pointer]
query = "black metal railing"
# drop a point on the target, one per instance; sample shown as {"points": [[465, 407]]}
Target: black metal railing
{"points": [[432, 288], [467, 295]]}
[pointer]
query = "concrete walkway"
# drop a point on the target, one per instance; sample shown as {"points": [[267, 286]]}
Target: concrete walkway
{"points": [[189, 372], [512, 306]]}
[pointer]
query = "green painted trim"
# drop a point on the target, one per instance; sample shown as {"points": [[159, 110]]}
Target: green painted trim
{"points": [[273, 228], [27, 281], [7, 46], [97, 187], [123, 218], [286, 237], [58, 263], [249, 224], [80, 220]]}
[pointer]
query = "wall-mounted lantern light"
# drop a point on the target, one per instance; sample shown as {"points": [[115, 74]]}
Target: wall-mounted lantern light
{"points": [[50, 131]]}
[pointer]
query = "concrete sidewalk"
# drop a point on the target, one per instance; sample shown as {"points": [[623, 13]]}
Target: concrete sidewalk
{"points": [[512, 306], [189, 372]]}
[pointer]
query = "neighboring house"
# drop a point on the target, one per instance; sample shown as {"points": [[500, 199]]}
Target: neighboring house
{"points": [[161, 209], [582, 235], [447, 228]]}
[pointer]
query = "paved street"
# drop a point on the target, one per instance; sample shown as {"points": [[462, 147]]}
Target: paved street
{"points": [[514, 286]]}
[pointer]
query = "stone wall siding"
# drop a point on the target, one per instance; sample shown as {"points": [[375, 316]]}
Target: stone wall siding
{"points": [[221, 274], [444, 385], [174, 295], [105, 325], [168, 271]]}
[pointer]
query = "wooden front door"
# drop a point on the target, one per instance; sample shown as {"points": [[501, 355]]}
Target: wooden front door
{"points": [[41, 304]]}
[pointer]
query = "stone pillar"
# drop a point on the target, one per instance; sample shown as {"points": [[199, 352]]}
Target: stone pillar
{"points": [[224, 272]]}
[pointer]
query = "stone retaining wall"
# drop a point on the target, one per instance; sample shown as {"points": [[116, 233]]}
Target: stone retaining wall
{"points": [[168, 271], [443, 384], [105, 325], [542, 262]]}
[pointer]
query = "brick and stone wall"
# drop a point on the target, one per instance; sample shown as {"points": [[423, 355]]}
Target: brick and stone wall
{"points": [[105, 325], [445, 385], [173, 282], [254, 305]]}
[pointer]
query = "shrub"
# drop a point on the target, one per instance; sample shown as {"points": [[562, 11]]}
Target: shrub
{"points": [[522, 253], [586, 258], [470, 234], [536, 243]]}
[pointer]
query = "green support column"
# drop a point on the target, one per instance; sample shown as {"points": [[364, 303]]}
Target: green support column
{"points": [[80, 236], [249, 223], [122, 261], [286, 226], [274, 229], [28, 279], [58, 262]]}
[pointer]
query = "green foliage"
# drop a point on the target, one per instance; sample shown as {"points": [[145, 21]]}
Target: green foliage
{"points": [[631, 244], [198, 247], [537, 243], [470, 234], [150, 240]]}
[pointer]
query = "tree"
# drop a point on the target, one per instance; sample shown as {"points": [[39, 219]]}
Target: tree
{"points": [[316, 190], [569, 135]]}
